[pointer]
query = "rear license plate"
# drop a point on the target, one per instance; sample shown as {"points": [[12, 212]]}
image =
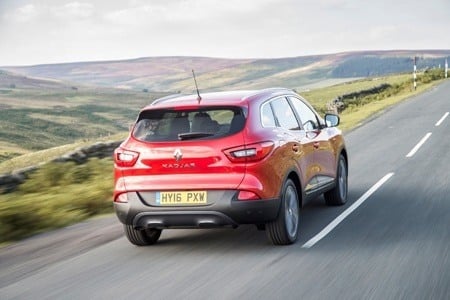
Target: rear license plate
{"points": [[181, 198]]}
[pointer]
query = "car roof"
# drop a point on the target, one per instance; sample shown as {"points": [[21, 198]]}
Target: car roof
{"points": [[239, 97]]}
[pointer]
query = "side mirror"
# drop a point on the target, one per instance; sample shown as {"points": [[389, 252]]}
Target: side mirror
{"points": [[332, 120]]}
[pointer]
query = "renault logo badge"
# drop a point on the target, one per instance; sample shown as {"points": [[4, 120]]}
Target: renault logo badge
{"points": [[178, 154]]}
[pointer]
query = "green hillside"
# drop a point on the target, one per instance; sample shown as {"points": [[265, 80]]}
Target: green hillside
{"points": [[172, 74], [37, 114], [45, 106]]}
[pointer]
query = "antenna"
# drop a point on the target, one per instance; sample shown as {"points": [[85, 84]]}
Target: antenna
{"points": [[199, 98]]}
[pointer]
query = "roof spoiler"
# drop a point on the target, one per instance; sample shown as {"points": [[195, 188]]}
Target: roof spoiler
{"points": [[166, 98]]}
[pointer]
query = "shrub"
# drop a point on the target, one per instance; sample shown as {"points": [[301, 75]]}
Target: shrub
{"points": [[56, 195]]}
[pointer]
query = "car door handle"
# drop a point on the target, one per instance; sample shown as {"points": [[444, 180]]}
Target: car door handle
{"points": [[316, 145]]}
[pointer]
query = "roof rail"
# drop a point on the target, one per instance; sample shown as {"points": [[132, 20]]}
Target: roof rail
{"points": [[166, 98]]}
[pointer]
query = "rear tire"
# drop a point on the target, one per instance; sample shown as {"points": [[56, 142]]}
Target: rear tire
{"points": [[338, 195], [284, 229], [142, 237]]}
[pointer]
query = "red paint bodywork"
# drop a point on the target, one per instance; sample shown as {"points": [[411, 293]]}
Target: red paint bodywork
{"points": [[205, 165]]}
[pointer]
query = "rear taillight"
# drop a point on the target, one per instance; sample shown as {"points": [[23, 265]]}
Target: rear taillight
{"points": [[249, 153], [122, 198], [125, 158]]}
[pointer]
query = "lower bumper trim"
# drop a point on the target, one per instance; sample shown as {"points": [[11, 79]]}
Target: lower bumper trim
{"points": [[182, 219]]}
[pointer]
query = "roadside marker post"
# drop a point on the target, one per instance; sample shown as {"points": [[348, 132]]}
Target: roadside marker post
{"points": [[446, 68], [415, 73]]}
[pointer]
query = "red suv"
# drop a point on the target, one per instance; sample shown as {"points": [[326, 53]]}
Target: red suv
{"points": [[225, 159]]}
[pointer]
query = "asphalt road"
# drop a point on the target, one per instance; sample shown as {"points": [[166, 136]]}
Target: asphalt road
{"points": [[391, 241]]}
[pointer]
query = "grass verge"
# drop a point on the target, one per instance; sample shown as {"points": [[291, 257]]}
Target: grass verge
{"points": [[56, 195], [358, 111], [43, 156], [356, 116]]}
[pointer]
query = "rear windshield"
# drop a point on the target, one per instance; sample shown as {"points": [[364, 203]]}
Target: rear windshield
{"points": [[177, 125]]}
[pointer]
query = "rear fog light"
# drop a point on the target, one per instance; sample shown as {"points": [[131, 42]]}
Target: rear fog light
{"points": [[247, 195]]}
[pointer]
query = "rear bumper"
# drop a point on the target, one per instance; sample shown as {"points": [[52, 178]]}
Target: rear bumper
{"points": [[222, 209]]}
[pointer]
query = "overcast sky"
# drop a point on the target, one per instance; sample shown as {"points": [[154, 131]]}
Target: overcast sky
{"points": [[51, 31]]}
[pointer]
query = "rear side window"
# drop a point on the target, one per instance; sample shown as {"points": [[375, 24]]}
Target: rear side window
{"points": [[267, 117], [284, 114], [177, 125]]}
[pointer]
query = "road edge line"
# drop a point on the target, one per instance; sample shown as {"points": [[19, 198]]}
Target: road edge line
{"points": [[347, 212]]}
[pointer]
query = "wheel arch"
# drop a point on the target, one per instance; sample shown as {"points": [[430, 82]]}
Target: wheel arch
{"points": [[296, 180], [344, 153]]}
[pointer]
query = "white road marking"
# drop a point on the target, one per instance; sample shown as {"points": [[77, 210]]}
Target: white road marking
{"points": [[441, 119], [416, 148], [347, 212]]}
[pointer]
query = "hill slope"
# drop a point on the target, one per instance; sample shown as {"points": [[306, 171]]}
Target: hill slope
{"points": [[174, 73], [50, 105], [37, 114]]}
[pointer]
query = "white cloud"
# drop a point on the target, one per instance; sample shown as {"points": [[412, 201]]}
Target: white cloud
{"points": [[146, 12], [131, 16], [23, 14], [75, 10]]}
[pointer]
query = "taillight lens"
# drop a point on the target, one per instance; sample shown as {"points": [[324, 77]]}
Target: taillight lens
{"points": [[125, 158], [122, 198], [249, 153]]}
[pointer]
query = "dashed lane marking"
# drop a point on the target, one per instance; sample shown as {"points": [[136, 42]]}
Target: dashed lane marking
{"points": [[441, 119], [419, 144]]}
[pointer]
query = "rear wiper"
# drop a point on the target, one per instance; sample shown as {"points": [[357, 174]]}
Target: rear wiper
{"points": [[193, 135]]}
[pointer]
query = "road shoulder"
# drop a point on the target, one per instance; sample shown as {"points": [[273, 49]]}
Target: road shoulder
{"points": [[23, 258]]}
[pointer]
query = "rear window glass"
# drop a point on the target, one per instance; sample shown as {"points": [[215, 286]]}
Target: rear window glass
{"points": [[176, 125]]}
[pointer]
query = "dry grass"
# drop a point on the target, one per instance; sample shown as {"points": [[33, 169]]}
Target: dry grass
{"points": [[355, 117], [43, 156], [321, 96]]}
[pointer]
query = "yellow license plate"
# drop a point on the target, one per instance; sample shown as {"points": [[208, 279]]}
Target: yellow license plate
{"points": [[181, 198]]}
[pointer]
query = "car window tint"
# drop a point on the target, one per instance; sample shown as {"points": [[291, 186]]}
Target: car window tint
{"points": [[307, 116], [284, 114], [207, 123], [267, 117]]}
